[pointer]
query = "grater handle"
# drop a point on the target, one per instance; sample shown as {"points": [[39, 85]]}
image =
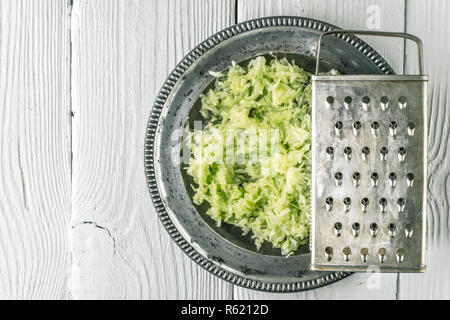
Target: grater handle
{"points": [[373, 33]]}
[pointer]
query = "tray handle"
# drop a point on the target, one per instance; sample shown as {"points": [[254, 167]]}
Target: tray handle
{"points": [[373, 33]]}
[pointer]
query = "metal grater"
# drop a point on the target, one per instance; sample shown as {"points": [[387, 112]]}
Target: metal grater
{"points": [[369, 169]]}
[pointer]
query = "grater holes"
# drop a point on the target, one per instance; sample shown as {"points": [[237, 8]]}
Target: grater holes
{"points": [[338, 229], [346, 253], [374, 179], [393, 124], [356, 227], [365, 103], [364, 204], [410, 179], [408, 231], [356, 178], [356, 128], [329, 253], [364, 254], [373, 229], [400, 254], [383, 205], [392, 179], [329, 203], [401, 154], [330, 153], [401, 203], [402, 102], [392, 229], [365, 153], [330, 100], [338, 178], [384, 102], [338, 128], [382, 255], [347, 102], [391, 132], [374, 127], [383, 153], [348, 153], [347, 203], [411, 128], [393, 128]]}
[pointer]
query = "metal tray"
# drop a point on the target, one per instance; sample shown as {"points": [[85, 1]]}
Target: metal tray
{"points": [[224, 251]]}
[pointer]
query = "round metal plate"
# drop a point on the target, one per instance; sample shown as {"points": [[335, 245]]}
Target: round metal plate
{"points": [[224, 251]]}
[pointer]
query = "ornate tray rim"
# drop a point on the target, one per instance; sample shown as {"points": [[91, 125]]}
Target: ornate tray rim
{"points": [[154, 118]]}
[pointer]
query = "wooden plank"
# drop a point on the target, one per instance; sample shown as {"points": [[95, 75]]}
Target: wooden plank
{"points": [[429, 21], [34, 149], [122, 53], [348, 14], [375, 14]]}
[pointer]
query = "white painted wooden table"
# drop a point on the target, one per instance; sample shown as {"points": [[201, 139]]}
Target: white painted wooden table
{"points": [[77, 81]]}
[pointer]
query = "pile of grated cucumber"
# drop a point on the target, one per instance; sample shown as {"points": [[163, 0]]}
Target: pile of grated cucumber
{"points": [[252, 161]]}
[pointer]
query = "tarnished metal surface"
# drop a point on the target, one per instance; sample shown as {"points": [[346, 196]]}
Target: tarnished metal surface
{"points": [[224, 251], [369, 172]]}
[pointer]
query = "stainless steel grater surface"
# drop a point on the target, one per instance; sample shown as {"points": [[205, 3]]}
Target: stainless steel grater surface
{"points": [[369, 170]]}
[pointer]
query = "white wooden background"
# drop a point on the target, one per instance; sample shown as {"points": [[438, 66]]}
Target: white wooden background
{"points": [[77, 81]]}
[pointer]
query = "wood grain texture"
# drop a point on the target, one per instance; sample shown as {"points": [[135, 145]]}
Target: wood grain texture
{"points": [[352, 15], [385, 15], [106, 63], [429, 20], [34, 149], [122, 53]]}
